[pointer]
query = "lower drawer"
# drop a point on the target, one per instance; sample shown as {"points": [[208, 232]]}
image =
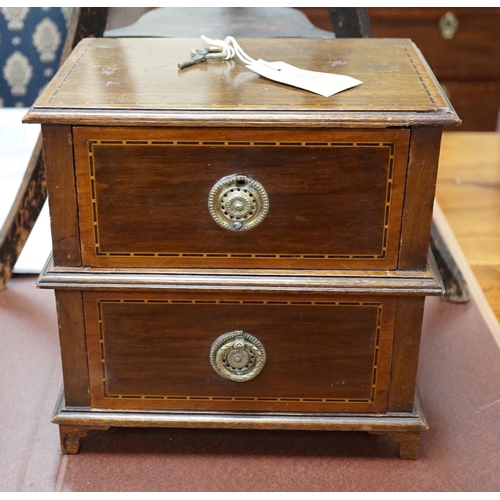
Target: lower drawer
{"points": [[195, 351]]}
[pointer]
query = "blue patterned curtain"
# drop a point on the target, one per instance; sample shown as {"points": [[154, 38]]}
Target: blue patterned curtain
{"points": [[31, 42]]}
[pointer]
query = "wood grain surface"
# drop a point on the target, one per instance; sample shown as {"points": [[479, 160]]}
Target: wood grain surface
{"points": [[72, 339], [464, 62], [350, 181], [381, 282], [60, 173], [468, 194], [420, 189], [111, 77], [336, 197], [324, 353]]}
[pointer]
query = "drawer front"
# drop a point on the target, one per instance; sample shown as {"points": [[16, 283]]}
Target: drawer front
{"points": [[180, 352], [314, 199]]}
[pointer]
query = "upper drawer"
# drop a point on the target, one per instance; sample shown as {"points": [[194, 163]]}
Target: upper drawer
{"points": [[296, 199]]}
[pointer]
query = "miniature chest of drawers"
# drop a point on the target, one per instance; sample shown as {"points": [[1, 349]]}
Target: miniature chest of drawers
{"points": [[232, 252]]}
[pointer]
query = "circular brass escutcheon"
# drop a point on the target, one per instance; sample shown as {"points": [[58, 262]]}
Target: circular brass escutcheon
{"points": [[238, 202], [237, 356]]}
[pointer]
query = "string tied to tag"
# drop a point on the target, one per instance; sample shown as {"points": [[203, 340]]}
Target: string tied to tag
{"points": [[233, 48], [325, 84]]}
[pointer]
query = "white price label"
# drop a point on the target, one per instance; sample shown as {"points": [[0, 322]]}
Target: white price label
{"points": [[325, 84]]}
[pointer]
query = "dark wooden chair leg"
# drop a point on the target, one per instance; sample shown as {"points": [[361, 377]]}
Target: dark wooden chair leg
{"points": [[350, 22], [87, 21], [353, 22], [23, 214], [456, 289]]}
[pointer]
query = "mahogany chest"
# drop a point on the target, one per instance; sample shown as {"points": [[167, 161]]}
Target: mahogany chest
{"points": [[233, 252]]}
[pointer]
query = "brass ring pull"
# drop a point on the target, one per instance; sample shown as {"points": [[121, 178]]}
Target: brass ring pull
{"points": [[238, 202], [237, 356]]}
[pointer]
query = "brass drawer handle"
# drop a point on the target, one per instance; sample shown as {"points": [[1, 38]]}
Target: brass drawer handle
{"points": [[238, 202], [237, 356]]}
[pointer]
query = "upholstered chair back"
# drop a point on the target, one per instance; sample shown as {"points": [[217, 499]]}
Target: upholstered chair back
{"points": [[31, 42]]}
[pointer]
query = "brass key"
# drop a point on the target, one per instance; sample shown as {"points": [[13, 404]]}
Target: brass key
{"points": [[202, 55], [197, 56]]}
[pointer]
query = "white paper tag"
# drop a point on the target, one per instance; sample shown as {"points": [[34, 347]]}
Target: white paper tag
{"points": [[325, 84]]}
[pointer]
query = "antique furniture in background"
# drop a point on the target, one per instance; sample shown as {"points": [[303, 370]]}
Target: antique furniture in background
{"points": [[461, 45]]}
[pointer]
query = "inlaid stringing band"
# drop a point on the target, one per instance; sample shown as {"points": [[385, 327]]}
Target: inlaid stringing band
{"points": [[56, 91], [102, 348], [420, 77], [95, 213], [90, 42]]}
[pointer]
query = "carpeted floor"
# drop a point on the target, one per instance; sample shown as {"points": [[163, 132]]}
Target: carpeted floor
{"points": [[459, 382]]}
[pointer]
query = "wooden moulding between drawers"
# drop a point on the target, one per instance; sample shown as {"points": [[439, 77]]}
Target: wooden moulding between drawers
{"points": [[426, 282]]}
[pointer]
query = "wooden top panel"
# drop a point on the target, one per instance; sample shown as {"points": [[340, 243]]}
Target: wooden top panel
{"points": [[136, 80]]}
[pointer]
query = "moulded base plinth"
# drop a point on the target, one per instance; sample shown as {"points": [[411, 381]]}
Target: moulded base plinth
{"points": [[404, 428]]}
